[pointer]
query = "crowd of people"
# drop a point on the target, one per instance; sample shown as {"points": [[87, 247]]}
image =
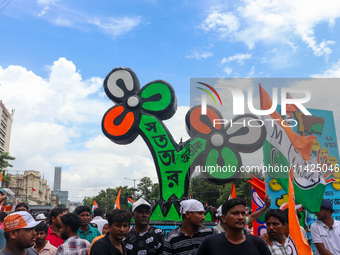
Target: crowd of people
{"points": [[80, 232]]}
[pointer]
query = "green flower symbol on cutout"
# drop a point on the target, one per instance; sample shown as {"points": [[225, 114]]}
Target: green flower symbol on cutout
{"points": [[120, 123], [245, 133]]}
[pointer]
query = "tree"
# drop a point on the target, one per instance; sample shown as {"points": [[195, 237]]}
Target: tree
{"points": [[145, 186], [155, 194], [4, 164], [204, 191], [106, 198]]}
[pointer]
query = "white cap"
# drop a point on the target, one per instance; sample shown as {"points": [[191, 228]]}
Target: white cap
{"points": [[18, 220], [191, 205], [138, 203], [219, 211], [41, 216]]}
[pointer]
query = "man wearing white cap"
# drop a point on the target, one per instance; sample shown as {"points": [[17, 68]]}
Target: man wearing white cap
{"points": [[143, 238], [19, 234], [187, 237]]}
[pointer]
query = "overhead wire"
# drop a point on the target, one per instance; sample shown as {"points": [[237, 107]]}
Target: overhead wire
{"points": [[5, 4]]}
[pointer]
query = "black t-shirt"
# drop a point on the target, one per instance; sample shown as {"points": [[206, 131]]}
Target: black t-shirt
{"points": [[104, 247], [219, 245], [150, 242]]}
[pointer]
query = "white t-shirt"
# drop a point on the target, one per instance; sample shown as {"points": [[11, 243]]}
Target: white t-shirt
{"points": [[330, 237]]}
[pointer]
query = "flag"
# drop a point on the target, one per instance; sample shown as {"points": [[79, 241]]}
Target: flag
{"points": [[33, 189], [259, 186], [232, 192], [130, 202], [94, 206], [0, 180], [284, 149], [258, 193], [117, 203], [297, 241]]}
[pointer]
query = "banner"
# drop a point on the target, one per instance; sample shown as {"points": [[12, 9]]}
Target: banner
{"points": [[285, 149]]}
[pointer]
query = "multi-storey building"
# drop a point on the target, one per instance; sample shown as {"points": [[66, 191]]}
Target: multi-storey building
{"points": [[31, 187], [5, 128], [57, 178]]}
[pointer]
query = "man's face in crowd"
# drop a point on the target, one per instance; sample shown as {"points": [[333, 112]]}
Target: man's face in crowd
{"points": [[57, 220], [20, 209], [24, 238], [41, 237], [63, 231], [235, 217], [322, 215], [85, 218], [106, 229], [195, 218], [119, 230], [142, 215], [275, 229]]}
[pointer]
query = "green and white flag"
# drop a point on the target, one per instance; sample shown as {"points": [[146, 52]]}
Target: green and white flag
{"points": [[130, 202], [285, 150]]}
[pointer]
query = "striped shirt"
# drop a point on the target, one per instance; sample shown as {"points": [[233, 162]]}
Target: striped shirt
{"points": [[279, 249], [179, 243]]}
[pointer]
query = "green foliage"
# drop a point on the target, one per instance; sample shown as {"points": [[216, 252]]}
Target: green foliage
{"points": [[106, 198], [61, 206], [216, 195], [145, 187], [4, 164], [4, 157], [203, 191], [154, 195]]}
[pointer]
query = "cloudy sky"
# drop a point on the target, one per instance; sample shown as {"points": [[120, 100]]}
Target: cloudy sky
{"points": [[56, 53]]}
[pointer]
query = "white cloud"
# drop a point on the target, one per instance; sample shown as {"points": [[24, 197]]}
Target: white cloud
{"points": [[223, 23], [57, 122], [239, 58], [332, 72], [200, 55], [115, 26], [268, 21], [228, 70], [60, 15]]}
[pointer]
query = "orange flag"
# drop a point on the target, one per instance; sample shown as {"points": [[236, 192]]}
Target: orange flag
{"points": [[94, 206], [296, 237], [259, 186], [117, 203], [232, 192]]}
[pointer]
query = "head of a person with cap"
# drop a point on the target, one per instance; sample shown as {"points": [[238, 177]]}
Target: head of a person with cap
{"points": [[234, 214], [326, 210], [19, 232], [40, 217], [141, 212], [192, 212]]}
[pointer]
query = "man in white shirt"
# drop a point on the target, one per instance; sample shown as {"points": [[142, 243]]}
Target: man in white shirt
{"points": [[326, 231], [98, 219]]}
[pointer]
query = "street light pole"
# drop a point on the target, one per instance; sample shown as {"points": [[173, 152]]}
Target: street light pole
{"points": [[134, 186]]}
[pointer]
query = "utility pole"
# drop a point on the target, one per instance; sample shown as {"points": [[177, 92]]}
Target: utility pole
{"points": [[134, 186]]}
